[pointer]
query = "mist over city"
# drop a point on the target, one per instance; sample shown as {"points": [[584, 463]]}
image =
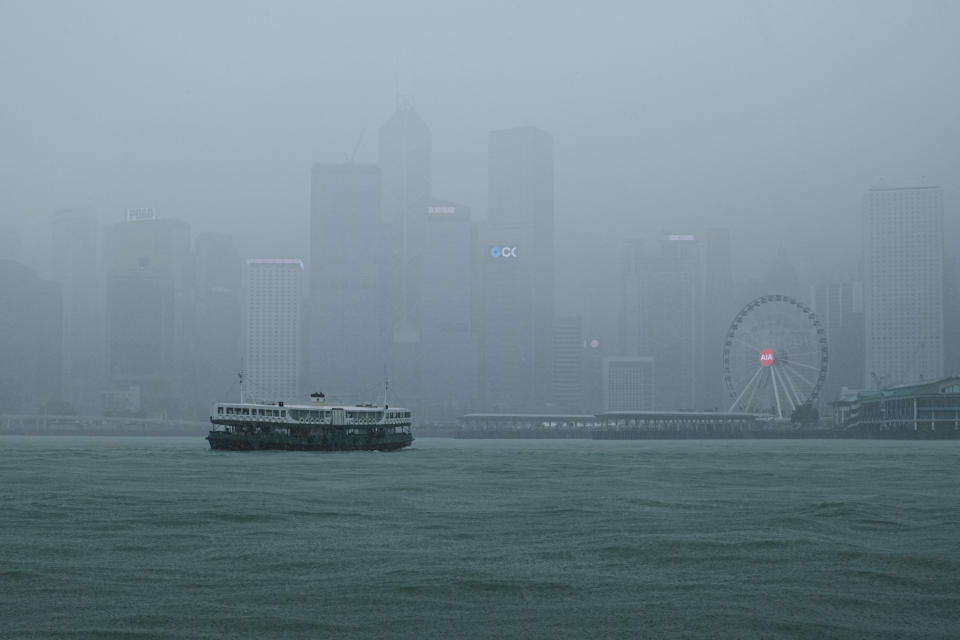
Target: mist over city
{"points": [[385, 159], [479, 320]]}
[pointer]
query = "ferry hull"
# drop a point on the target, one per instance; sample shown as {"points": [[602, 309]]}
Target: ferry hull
{"points": [[331, 441]]}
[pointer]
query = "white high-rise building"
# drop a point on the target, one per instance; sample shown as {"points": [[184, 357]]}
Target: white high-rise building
{"points": [[903, 285], [273, 312]]}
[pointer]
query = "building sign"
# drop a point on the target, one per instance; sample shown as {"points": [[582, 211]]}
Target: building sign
{"points": [[766, 357], [142, 213], [441, 210], [503, 252]]}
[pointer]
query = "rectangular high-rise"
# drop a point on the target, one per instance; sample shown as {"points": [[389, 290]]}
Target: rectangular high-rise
{"points": [[31, 317], [568, 369], [628, 383], [448, 347], [903, 284], [349, 305], [272, 365], [518, 270], [405, 154], [74, 263], [662, 318], [149, 296], [218, 328]]}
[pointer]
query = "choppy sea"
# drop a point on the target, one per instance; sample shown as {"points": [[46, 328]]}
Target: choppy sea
{"points": [[162, 538]]}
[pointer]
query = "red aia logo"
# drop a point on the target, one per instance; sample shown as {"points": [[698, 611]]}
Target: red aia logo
{"points": [[766, 357]]}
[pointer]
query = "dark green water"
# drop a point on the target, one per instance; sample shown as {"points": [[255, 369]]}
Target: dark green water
{"points": [[162, 538]]}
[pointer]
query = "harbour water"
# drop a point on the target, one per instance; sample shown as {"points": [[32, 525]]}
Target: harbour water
{"points": [[163, 538]]}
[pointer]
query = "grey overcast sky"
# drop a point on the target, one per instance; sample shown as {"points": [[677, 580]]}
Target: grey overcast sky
{"points": [[770, 118]]}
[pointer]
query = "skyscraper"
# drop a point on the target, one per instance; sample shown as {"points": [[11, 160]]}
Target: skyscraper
{"points": [[903, 284], [273, 312], [405, 197], [720, 307], [568, 369], [148, 304], [628, 384], [448, 348], [839, 307], [348, 302], [667, 285], [218, 325], [630, 325], [518, 267], [74, 264], [31, 316]]}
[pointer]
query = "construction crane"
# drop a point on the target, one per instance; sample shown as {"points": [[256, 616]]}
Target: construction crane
{"points": [[349, 158]]}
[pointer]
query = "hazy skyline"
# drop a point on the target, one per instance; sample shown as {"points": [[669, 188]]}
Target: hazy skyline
{"points": [[771, 119]]}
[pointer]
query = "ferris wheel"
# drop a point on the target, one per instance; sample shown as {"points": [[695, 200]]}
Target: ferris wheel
{"points": [[774, 356]]}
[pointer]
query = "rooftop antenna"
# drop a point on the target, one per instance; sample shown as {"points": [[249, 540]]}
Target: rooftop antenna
{"points": [[240, 375]]}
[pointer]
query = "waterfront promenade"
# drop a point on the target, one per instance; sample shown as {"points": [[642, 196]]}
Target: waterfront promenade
{"points": [[43, 424]]}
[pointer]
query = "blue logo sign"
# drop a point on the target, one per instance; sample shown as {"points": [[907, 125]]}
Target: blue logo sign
{"points": [[503, 252]]}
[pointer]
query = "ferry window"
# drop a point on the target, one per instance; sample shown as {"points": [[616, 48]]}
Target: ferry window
{"points": [[283, 414], [229, 410], [220, 410], [246, 412]]}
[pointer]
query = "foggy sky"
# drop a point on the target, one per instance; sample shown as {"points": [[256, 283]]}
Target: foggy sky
{"points": [[770, 118]]}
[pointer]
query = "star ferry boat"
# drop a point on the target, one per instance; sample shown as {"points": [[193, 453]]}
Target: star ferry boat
{"points": [[244, 426]]}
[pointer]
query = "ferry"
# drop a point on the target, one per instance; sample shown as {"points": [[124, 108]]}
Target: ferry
{"points": [[245, 426]]}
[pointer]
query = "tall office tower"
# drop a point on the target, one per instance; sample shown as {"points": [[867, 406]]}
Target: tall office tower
{"points": [[273, 312], [631, 275], [31, 317], [833, 302], [628, 384], [593, 357], [449, 342], [405, 197], [218, 325], [903, 284], [839, 307], [518, 288], [720, 307], [348, 302], [670, 299], [568, 368], [74, 264], [149, 299]]}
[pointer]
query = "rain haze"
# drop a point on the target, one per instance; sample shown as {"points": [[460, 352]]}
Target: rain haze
{"points": [[767, 120], [654, 304]]}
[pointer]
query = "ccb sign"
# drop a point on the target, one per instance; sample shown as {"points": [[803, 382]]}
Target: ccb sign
{"points": [[503, 252]]}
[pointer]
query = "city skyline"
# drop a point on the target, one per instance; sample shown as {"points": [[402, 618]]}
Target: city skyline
{"points": [[675, 281], [762, 183], [737, 123]]}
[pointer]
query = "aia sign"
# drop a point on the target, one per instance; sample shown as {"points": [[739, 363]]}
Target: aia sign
{"points": [[766, 357]]}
